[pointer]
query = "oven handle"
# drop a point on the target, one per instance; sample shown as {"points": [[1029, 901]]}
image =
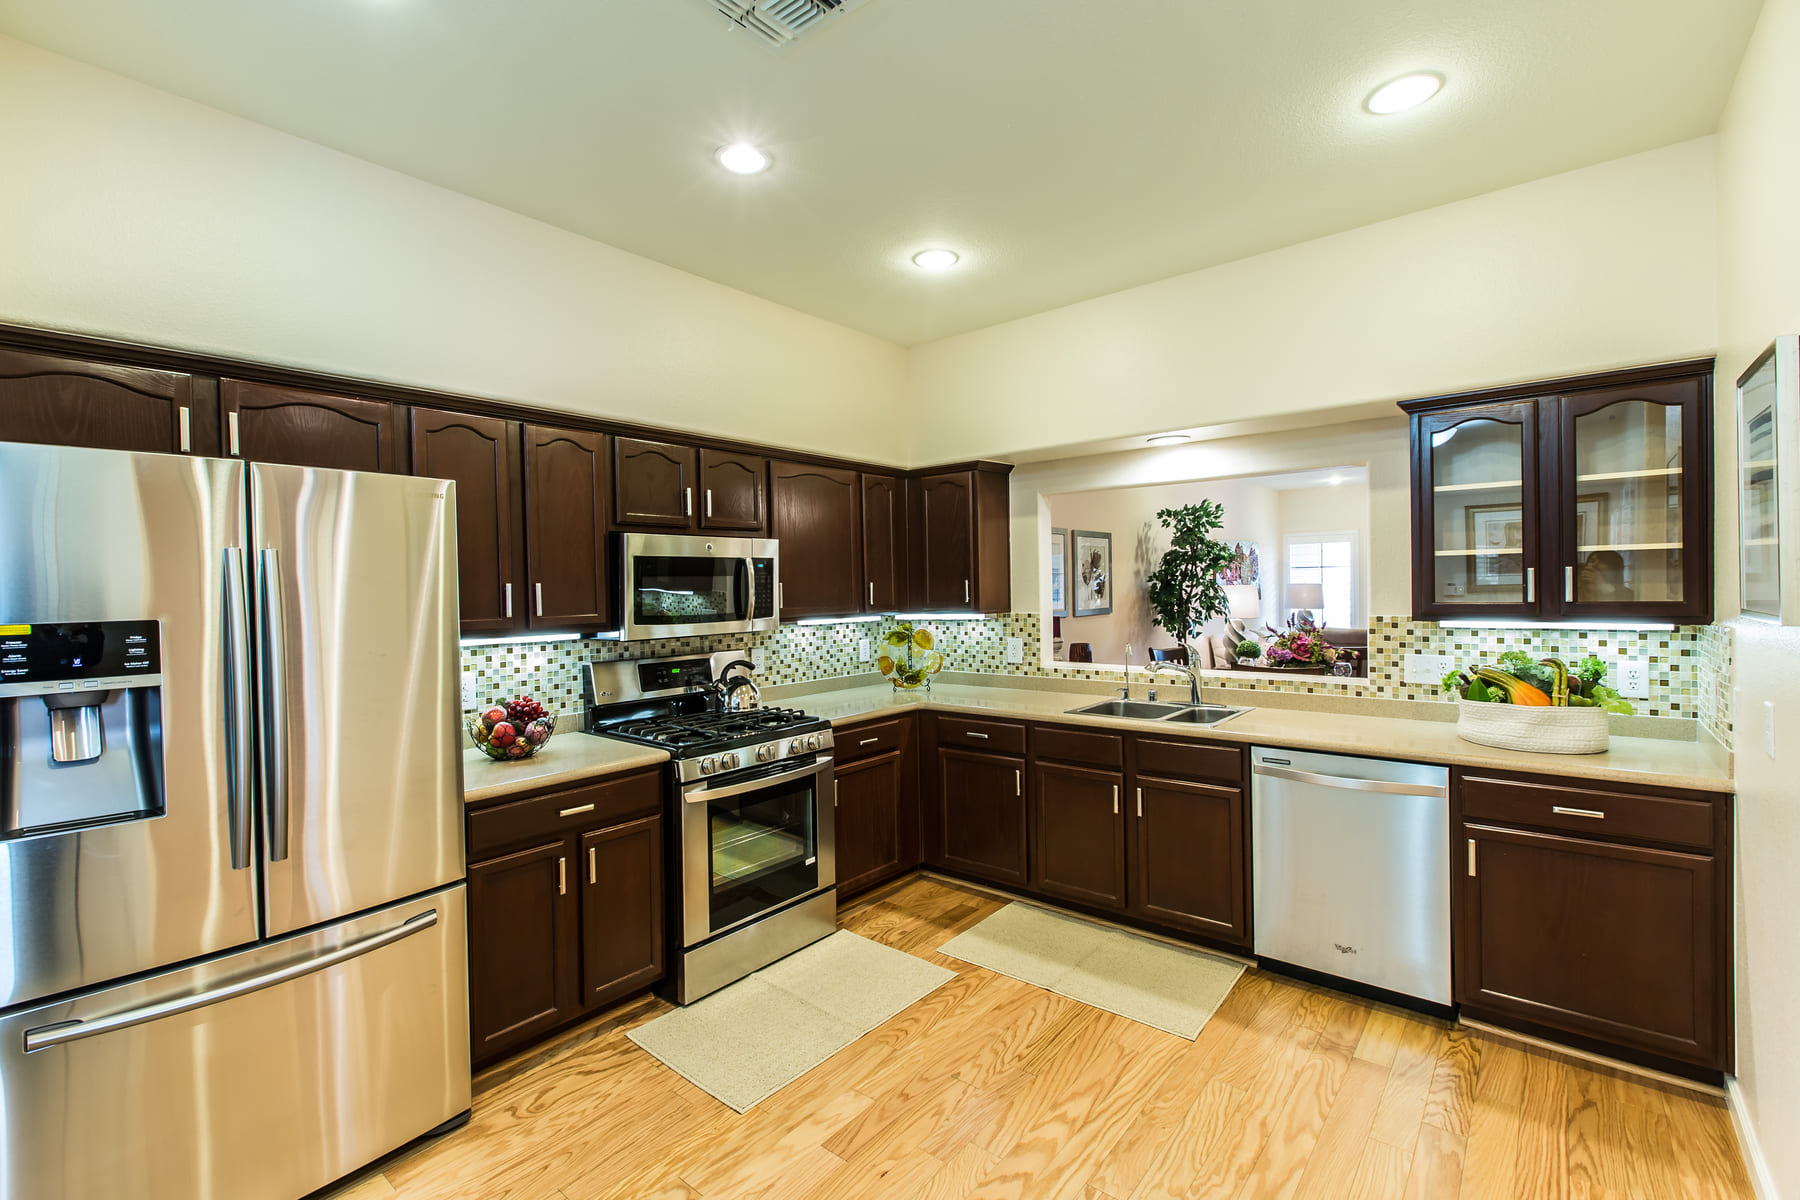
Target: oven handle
{"points": [[698, 795]]}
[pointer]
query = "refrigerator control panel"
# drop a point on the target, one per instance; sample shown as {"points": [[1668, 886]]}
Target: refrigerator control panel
{"points": [[78, 656]]}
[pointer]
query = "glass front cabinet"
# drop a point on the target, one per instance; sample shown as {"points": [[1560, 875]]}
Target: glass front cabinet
{"points": [[1585, 499]]}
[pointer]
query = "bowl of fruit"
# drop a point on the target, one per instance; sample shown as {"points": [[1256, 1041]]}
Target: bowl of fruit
{"points": [[515, 730]]}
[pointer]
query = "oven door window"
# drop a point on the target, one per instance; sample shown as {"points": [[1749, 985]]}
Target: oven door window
{"points": [[688, 591], [764, 849]]}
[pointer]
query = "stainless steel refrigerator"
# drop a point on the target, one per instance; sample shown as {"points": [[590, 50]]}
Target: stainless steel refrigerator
{"points": [[232, 948]]}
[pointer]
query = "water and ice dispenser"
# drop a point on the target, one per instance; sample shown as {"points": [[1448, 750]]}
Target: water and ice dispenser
{"points": [[80, 725]]}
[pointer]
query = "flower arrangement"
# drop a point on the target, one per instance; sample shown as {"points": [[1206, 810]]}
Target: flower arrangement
{"points": [[908, 658], [1301, 644]]}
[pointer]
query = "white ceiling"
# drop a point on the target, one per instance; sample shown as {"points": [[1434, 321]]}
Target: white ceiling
{"points": [[1066, 149]]}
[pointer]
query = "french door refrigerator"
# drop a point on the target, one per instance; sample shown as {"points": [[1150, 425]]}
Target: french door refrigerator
{"points": [[232, 947]]}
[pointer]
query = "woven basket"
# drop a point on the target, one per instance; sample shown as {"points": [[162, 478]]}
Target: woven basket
{"points": [[1541, 730]]}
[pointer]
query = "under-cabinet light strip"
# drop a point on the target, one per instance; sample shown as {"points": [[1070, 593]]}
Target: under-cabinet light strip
{"points": [[520, 641], [1502, 623]]}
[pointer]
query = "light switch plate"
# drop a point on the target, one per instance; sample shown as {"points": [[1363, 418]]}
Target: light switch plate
{"points": [[1422, 669], [470, 698], [1015, 650], [864, 650], [1633, 679], [759, 658]]}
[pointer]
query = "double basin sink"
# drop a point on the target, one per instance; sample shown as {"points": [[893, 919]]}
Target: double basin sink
{"points": [[1153, 710]]}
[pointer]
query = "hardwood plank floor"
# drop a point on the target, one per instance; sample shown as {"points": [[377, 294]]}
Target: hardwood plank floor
{"points": [[990, 1088]]}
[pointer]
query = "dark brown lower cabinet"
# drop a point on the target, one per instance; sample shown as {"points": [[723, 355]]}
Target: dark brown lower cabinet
{"points": [[1621, 944], [981, 815], [522, 947], [1188, 856], [1078, 831], [622, 903], [869, 798]]}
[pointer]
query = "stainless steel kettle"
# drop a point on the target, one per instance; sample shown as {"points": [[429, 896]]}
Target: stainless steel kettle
{"points": [[739, 692]]}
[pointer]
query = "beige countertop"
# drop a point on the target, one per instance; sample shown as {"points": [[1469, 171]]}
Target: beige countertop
{"points": [[1701, 765], [567, 758]]}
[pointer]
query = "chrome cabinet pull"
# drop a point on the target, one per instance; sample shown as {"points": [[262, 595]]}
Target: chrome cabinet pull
{"points": [[237, 707], [539, 588], [1140, 799], [834, 793], [508, 588], [576, 811], [187, 437], [562, 876], [231, 423], [1018, 784], [1115, 799], [709, 502], [973, 734], [1471, 858], [868, 741], [966, 591], [687, 502], [593, 868], [1568, 585], [1595, 813], [273, 696], [871, 593], [1531, 585]]}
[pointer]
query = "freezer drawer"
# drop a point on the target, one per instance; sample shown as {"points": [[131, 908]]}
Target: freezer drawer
{"points": [[355, 1042], [1352, 868]]}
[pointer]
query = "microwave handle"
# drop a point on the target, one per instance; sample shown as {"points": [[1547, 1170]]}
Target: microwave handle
{"points": [[748, 567]]}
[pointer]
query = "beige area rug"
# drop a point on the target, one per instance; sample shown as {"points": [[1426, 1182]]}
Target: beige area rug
{"points": [[1166, 987], [748, 1041]]}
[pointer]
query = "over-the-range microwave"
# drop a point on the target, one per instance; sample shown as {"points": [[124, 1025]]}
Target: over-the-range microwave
{"points": [[684, 585]]}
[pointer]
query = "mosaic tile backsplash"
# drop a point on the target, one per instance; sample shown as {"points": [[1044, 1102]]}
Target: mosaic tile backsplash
{"points": [[1689, 667]]}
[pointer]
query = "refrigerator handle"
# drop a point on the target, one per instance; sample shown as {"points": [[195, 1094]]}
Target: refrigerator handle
{"points": [[46, 1036], [273, 694], [237, 706]]}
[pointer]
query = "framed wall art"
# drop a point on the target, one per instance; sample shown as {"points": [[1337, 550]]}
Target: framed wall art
{"points": [[1059, 575], [1093, 573]]}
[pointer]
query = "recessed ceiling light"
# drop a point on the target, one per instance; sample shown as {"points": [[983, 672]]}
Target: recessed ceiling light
{"points": [[1335, 480], [741, 158], [1169, 439], [1408, 91], [936, 260]]}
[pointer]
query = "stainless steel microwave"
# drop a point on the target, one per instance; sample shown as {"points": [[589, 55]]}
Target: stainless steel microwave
{"points": [[684, 585]]}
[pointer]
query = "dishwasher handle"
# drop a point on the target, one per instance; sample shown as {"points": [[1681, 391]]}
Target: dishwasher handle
{"points": [[1352, 782]]}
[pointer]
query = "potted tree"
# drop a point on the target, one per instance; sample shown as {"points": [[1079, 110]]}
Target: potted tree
{"points": [[1184, 589]]}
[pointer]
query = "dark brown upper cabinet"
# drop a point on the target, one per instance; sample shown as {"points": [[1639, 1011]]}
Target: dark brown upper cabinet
{"points": [[1577, 499], [883, 542], [480, 455], [959, 549], [815, 514], [67, 402], [653, 484], [265, 423], [732, 491], [565, 528]]}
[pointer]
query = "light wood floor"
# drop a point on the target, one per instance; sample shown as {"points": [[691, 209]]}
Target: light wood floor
{"points": [[992, 1088]]}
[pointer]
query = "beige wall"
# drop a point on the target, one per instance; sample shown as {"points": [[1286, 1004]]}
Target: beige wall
{"points": [[131, 213], [1327, 510], [1759, 297], [1609, 266]]}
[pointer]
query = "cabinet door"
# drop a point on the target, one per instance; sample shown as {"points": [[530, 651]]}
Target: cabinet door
{"points": [[883, 542], [1475, 512], [815, 517], [479, 454], [731, 491], [1633, 533], [653, 484], [943, 541], [982, 815], [1612, 942], [868, 821], [622, 905], [68, 402], [565, 527], [1078, 827], [1188, 856], [265, 423], [522, 947]]}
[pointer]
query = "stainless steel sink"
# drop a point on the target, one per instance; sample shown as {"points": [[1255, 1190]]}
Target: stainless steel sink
{"points": [[1142, 710], [1206, 714]]}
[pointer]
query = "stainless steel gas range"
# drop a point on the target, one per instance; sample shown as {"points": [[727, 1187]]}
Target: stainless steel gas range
{"points": [[753, 869]]}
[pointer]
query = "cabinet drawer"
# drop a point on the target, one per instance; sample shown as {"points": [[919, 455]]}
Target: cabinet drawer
{"points": [[1661, 819], [866, 741], [996, 737], [561, 813], [1190, 760], [1067, 744]]}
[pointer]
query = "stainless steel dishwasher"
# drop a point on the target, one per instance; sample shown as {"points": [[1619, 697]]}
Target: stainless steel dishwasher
{"points": [[1352, 868]]}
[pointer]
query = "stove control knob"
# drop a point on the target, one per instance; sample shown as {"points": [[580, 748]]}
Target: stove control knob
{"points": [[795, 746], [708, 766], [765, 753], [812, 743], [732, 761]]}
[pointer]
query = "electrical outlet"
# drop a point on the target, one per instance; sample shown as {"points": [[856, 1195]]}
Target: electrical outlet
{"points": [[865, 650], [759, 658], [1633, 679], [1424, 669], [470, 697], [1015, 650]]}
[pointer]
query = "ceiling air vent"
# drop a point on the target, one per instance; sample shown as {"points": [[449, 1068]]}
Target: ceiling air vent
{"points": [[781, 23]]}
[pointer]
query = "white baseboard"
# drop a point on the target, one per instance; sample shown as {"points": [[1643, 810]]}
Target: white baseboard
{"points": [[1754, 1162]]}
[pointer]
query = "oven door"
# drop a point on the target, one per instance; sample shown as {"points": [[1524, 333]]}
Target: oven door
{"points": [[750, 845], [681, 586]]}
